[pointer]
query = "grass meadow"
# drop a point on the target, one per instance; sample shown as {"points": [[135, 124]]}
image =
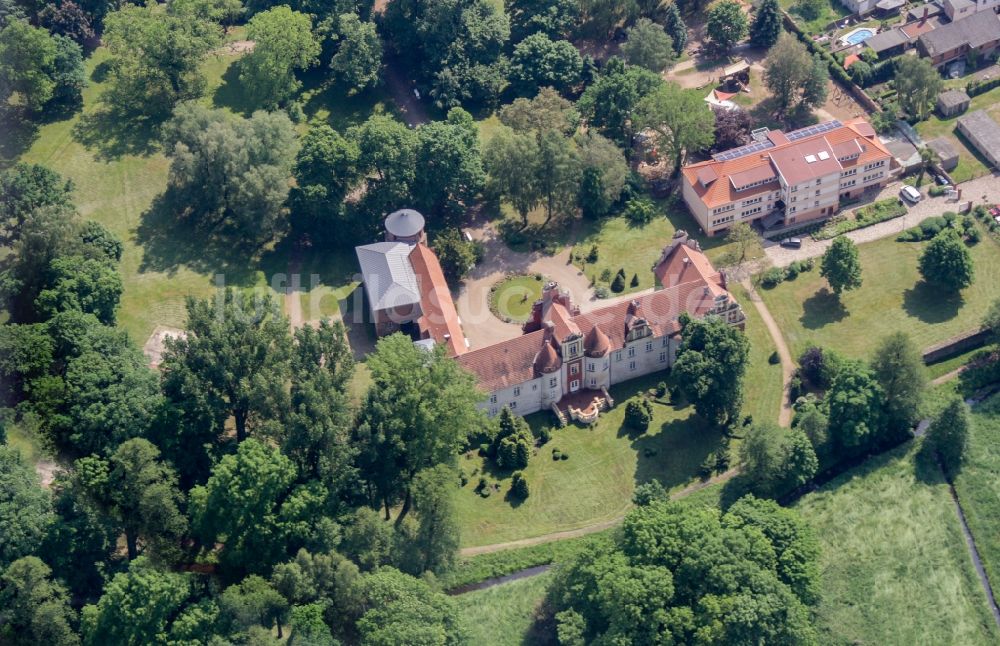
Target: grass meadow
{"points": [[504, 615], [894, 566], [762, 385], [892, 297], [596, 483], [978, 485]]}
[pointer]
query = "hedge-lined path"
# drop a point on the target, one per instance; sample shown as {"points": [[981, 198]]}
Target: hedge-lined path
{"points": [[983, 189]]}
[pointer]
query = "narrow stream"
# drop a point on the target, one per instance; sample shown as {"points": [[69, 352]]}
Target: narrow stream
{"points": [[507, 578]]}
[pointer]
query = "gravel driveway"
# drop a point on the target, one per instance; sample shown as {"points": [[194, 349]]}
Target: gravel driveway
{"points": [[978, 190]]}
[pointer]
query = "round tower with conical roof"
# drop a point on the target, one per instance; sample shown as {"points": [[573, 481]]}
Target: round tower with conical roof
{"points": [[405, 225]]}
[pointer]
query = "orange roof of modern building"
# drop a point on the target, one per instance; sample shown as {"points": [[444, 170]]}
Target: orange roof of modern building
{"points": [[439, 319], [785, 153]]}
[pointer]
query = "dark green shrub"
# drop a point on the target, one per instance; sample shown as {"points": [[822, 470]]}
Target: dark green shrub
{"points": [[556, 454], [519, 486], [544, 435], [618, 284], [791, 272], [661, 389], [593, 255], [772, 277], [564, 456], [635, 280], [638, 414], [774, 359], [606, 274]]}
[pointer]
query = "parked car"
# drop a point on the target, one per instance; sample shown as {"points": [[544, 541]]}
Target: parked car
{"points": [[941, 180], [910, 194], [792, 243]]}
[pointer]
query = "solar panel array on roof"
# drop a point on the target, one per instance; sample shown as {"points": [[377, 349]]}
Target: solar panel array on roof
{"points": [[743, 151], [817, 129]]}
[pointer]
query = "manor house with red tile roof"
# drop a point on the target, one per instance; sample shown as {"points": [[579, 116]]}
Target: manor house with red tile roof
{"points": [[565, 360]]}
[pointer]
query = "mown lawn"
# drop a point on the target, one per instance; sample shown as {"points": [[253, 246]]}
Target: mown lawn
{"points": [[978, 485], [833, 10], [119, 173], [505, 614], [970, 163], [762, 384], [894, 566], [623, 245], [597, 481], [515, 296], [892, 298]]}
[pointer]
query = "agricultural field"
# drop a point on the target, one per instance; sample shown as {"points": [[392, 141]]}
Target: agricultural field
{"points": [[596, 482], [892, 298], [894, 565]]}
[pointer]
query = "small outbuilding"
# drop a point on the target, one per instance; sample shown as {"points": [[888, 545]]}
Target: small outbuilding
{"points": [[983, 133], [946, 152], [952, 102]]}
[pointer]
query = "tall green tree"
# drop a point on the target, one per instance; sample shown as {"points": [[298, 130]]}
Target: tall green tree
{"points": [[674, 25], [140, 606], [27, 58], [89, 285], [899, 369], [359, 52], [946, 263], [139, 491], [511, 160], [787, 69], [776, 461], [283, 43], [687, 574], [815, 89], [840, 265], [399, 609], [538, 61], [231, 365], [711, 363], [436, 538], [456, 254], [554, 18], [547, 110], [855, 399], [610, 103], [683, 122], [34, 609], [648, 46], [26, 188], [449, 168], [605, 166], [918, 84], [766, 26], [25, 508], [417, 414], [251, 505], [558, 174], [230, 173], [727, 25], [253, 602], [326, 169], [156, 58], [948, 436]]}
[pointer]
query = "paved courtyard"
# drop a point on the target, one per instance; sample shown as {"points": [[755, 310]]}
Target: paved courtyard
{"points": [[978, 190]]}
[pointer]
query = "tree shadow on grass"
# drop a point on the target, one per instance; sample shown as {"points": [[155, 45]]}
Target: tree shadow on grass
{"points": [[171, 241], [931, 305], [822, 308], [674, 455], [16, 136], [112, 133], [232, 93]]}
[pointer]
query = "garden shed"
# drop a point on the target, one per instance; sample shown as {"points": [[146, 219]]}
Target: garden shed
{"points": [[945, 151], [952, 102]]}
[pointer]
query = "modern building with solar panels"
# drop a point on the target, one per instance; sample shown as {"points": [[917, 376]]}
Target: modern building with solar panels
{"points": [[785, 179]]}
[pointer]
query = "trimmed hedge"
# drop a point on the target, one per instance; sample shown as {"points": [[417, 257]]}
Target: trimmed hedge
{"points": [[864, 217], [975, 88]]}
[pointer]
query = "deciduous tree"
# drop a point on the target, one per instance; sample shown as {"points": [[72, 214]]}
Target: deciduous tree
{"points": [[855, 399], [948, 436], [711, 363], [776, 461], [648, 46], [456, 254], [326, 169], [436, 539], [899, 369], [946, 263], [918, 84], [727, 25], [25, 508], [610, 102], [34, 609], [787, 69], [681, 119], [840, 265], [359, 53], [27, 58], [511, 160], [283, 44], [538, 62], [400, 609], [420, 409]]}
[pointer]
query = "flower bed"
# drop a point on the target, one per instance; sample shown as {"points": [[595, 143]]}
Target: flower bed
{"points": [[864, 217]]}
